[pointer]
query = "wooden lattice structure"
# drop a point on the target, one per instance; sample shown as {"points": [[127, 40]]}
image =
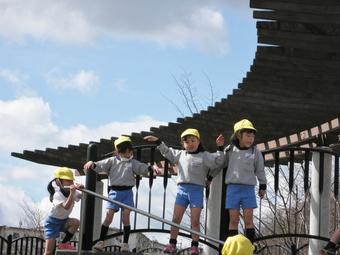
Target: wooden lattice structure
{"points": [[291, 91]]}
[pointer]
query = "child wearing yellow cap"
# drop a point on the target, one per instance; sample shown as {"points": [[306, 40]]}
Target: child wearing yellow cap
{"points": [[193, 164], [121, 170], [58, 219], [237, 245], [245, 165]]}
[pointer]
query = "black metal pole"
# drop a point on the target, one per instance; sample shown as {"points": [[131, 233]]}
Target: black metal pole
{"points": [[9, 244], [88, 214]]}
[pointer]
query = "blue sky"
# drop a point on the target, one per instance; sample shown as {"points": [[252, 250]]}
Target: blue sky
{"points": [[75, 71]]}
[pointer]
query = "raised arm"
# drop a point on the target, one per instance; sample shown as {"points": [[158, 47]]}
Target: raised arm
{"points": [[215, 161], [171, 154]]}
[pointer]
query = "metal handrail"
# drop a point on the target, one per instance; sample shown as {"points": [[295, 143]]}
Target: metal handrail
{"points": [[150, 215]]}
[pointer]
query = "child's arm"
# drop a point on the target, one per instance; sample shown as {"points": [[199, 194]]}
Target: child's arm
{"points": [[78, 194], [171, 154], [89, 165], [70, 199], [215, 160], [259, 172], [102, 166], [142, 168]]}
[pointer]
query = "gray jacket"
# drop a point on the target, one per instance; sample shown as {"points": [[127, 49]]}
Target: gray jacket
{"points": [[192, 167], [121, 172], [244, 166]]}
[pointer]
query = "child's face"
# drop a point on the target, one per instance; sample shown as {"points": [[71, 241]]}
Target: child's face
{"points": [[246, 139], [126, 154], [67, 182], [191, 143]]}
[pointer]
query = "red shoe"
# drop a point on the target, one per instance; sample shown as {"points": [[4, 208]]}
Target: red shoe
{"points": [[194, 250], [169, 248], [66, 246]]}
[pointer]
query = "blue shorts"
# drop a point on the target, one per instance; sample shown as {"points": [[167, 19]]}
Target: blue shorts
{"points": [[53, 227], [123, 196], [189, 194], [240, 195]]}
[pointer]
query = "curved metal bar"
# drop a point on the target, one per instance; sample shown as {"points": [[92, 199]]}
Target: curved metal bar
{"points": [[286, 149], [151, 215], [262, 238], [156, 230]]}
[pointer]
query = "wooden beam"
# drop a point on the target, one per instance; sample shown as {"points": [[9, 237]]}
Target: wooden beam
{"points": [[299, 17], [297, 6]]}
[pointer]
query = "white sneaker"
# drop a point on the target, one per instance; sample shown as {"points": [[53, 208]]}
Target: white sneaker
{"points": [[99, 246], [124, 247]]}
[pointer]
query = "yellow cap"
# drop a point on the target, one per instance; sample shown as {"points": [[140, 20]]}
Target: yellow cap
{"points": [[121, 139], [191, 131], [64, 173], [243, 124], [237, 245]]}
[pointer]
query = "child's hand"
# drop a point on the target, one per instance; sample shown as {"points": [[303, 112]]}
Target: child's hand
{"points": [[151, 138], [79, 185], [220, 140], [262, 193], [89, 165], [72, 188], [156, 170]]}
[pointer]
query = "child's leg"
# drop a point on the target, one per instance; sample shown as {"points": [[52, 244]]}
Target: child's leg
{"points": [[331, 245], [126, 223], [49, 246], [234, 219], [248, 222], [107, 221], [70, 227], [336, 236], [195, 222], [176, 218]]}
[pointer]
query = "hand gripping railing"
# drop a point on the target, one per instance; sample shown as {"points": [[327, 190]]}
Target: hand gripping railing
{"points": [[150, 215]]}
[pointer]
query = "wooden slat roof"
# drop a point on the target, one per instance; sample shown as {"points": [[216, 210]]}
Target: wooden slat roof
{"points": [[292, 87]]}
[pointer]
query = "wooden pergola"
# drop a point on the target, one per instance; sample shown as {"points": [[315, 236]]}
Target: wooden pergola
{"points": [[291, 91]]}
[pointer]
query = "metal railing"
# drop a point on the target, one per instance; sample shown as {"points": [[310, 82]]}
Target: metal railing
{"points": [[21, 246], [151, 151], [283, 217]]}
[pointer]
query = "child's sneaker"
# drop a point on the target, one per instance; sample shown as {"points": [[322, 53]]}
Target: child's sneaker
{"points": [[327, 251], [169, 248], [66, 246], [194, 250], [124, 247], [99, 246]]}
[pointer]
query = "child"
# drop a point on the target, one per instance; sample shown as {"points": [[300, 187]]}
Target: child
{"points": [[121, 170], [330, 248], [193, 166], [237, 245], [245, 163], [58, 219]]}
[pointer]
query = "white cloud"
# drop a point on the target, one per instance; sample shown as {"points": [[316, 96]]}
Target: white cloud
{"points": [[175, 22], [26, 123], [16, 80], [10, 200], [42, 20], [120, 84], [82, 133], [84, 81], [10, 76]]}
